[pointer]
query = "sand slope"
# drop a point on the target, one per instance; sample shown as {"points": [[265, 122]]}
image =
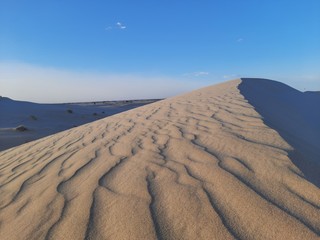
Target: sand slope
{"points": [[42, 120], [294, 115], [198, 166]]}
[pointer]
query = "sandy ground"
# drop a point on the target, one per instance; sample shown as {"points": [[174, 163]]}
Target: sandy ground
{"points": [[42, 120], [198, 166]]}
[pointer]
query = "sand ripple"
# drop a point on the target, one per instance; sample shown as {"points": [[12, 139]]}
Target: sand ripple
{"points": [[198, 166]]}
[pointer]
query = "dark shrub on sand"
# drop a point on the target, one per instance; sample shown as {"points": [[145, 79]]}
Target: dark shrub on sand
{"points": [[21, 128]]}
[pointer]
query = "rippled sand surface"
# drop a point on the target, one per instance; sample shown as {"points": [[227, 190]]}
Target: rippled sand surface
{"points": [[203, 165]]}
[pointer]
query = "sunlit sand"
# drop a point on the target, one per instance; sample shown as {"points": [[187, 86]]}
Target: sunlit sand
{"points": [[222, 162]]}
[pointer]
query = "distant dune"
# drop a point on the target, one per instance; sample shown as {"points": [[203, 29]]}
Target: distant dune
{"points": [[237, 160], [41, 120]]}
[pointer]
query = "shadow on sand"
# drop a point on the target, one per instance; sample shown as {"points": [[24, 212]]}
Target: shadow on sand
{"points": [[294, 115]]}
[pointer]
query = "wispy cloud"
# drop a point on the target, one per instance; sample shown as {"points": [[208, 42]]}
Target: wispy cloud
{"points": [[197, 74], [118, 25], [240, 40], [231, 76]]}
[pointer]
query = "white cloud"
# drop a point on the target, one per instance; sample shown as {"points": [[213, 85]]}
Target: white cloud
{"points": [[240, 40], [44, 84], [118, 25], [201, 74], [197, 74], [231, 76]]}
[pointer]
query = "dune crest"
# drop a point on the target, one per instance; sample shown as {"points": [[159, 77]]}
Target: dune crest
{"points": [[203, 165], [294, 115]]}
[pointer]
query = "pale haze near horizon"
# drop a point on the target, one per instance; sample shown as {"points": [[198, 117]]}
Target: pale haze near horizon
{"points": [[48, 85]]}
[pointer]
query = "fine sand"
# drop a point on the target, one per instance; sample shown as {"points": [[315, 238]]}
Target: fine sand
{"points": [[204, 165], [41, 120]]}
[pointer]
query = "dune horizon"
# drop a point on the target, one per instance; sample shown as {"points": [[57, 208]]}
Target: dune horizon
{"points": [[38, 120], [235, 160]]}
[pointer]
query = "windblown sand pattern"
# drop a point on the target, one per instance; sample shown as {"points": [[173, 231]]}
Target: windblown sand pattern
{"points": [[198, 166]]}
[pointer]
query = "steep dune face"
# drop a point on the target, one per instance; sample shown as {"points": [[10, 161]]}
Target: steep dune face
{"points": [[294, 115], [198, 166]]}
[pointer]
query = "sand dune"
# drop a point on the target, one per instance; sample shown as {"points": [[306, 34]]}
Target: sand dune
{"points": [[203, 165], [294, 115], [41, 120]]}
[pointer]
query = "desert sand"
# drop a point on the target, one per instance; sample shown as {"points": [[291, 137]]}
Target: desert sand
{"points": [[222, 162], [41, 120]]}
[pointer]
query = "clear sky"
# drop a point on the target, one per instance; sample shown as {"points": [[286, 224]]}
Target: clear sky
{"points": [[63, 50]]}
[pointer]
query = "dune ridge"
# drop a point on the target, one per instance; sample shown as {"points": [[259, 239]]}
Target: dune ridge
{"points": [[203, 165], [294, 115]]}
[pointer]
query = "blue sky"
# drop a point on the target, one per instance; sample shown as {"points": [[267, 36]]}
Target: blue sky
{"points": [[188, 44]]}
